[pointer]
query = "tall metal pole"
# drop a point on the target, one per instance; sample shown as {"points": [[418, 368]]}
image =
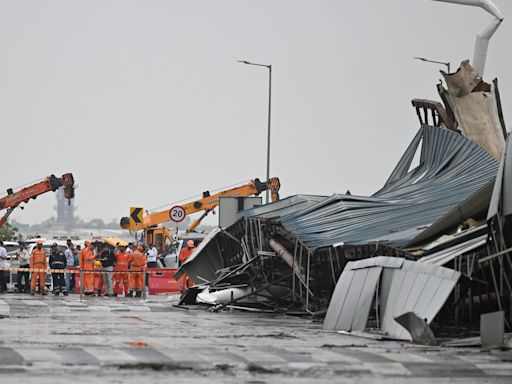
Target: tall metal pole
{"points": [[269, 116], [268, 133]]}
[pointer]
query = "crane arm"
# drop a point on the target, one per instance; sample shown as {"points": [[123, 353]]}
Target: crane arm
{"points": [[207, 203], [51, 183]]}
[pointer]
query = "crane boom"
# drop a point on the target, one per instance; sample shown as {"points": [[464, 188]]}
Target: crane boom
{"points": [[51, 183], [206, 204]]}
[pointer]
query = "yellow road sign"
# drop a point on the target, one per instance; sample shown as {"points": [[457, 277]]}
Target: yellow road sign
{"points": [[136, 215]]}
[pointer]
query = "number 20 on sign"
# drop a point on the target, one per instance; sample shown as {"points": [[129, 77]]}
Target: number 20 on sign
{"points": [[177, 213]]}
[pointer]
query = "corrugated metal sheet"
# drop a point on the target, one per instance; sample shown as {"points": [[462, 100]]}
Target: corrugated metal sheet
{"points": [[502, 194], [445, 256], [354, 292], [474, 207], [282, 207], [206, 260], [405, 286], [452, 168], [416, 287]]}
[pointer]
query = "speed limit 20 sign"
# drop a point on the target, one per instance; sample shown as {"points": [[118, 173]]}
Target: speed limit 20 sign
{"points": [[177, 214]]}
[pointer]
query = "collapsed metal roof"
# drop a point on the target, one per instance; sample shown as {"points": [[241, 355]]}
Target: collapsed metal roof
{"points": [[282, 207], [451, 170]]}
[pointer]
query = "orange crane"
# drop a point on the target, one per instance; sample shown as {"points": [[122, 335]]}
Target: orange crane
{"points": [[157, 235], [51, 183]]}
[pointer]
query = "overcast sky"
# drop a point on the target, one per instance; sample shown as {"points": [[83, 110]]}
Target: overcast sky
{"points": [[144, 102]]}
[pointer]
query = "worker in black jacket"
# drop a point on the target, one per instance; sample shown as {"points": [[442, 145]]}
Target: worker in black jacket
{"points": [[58, 261]]}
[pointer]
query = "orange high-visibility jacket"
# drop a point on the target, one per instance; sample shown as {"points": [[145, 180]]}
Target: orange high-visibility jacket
{"points": [[185, 253], [122, 260], [87, 259], [137, 260], [38, 259]]}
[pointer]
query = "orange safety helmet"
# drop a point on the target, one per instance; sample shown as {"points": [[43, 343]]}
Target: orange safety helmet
{"points": [[39, 242], [190, 244], [140, 248]]}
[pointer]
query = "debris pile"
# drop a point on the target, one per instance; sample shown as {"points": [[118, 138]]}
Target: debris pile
{"points": [[431, 220]]}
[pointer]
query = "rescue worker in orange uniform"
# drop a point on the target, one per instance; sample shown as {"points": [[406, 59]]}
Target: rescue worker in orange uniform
{"points": [[87, 264], [137, 262], [98, 278], [38, 260], [121, 278], [185, 282]]}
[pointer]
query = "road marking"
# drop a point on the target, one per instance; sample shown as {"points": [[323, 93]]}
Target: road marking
{"points": [[75, 304], [35, 303], [303, 365], [38, 354], [9, 356], [387, 369], [331, 357], [99, 308], [496, 369], [404, 357], [478, 358], [147, 355], [75, 356], [183, 356], [110, 356], [5, 309], [254, 356], [136, 308]]}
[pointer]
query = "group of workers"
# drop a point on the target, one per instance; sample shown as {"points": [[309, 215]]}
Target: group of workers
{"points": [[101, 270], [113, 273]]}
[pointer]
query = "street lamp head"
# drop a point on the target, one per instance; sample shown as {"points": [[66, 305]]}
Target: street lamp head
{"points": [[256, 64], [421, 58]]}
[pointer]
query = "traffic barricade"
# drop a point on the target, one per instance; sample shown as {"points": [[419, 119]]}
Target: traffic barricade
{"points": [[158, 280], [162, 281]]}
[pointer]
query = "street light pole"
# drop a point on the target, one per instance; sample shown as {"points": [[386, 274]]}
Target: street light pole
{"points": [[435, 62], [269, 67]]}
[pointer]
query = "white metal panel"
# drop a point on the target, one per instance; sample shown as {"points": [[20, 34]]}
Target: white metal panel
{"points": [[352, 299], [362, 309], [388, 312], [417, 287], [356, 289], [338, 299]]}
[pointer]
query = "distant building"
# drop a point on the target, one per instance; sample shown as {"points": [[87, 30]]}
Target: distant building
{"points": [[65, 212]]}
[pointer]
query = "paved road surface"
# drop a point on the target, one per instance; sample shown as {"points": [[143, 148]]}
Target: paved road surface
{"points": [[117, 340]]}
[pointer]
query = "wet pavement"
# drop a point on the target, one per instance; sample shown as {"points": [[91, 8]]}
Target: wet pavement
{"points": [[114, 340]]}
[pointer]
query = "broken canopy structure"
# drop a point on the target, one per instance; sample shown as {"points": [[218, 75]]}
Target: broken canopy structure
{"points": [[320, 236], [396, 287]]}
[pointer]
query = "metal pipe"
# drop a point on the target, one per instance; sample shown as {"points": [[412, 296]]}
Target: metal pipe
{"points": [[285, 255], [482, 39]]}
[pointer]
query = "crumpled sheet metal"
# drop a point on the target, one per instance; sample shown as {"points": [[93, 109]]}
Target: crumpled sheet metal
{"points": [[403, 286], [452, 169], [206, 260], [501, 200]]}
